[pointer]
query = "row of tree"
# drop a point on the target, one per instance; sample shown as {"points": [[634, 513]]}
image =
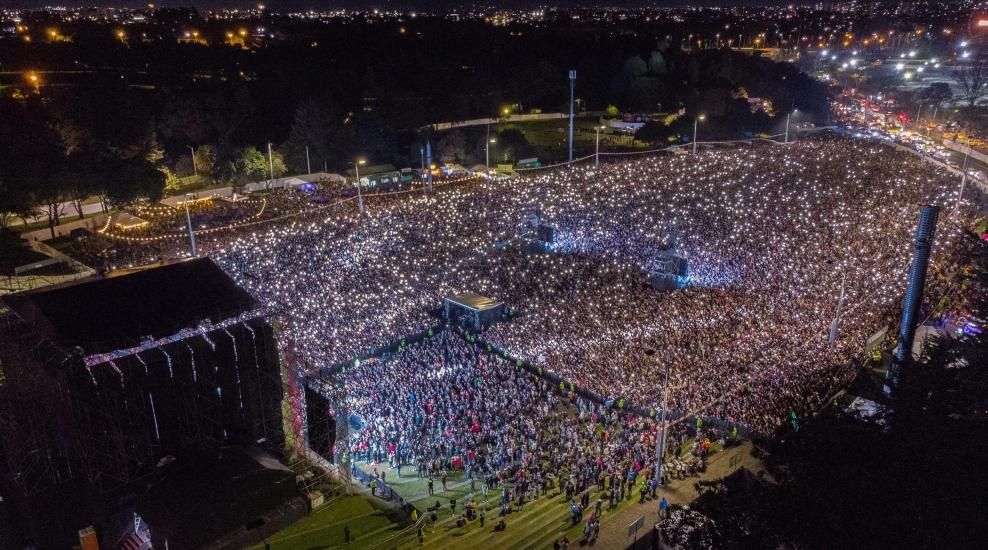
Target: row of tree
{"points": [[50, 166]]}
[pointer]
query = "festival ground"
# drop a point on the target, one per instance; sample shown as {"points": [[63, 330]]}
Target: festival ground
{"points": [[376, 523]]}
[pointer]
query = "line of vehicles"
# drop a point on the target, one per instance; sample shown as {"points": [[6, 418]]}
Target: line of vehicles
{"points": [[865, 120]]}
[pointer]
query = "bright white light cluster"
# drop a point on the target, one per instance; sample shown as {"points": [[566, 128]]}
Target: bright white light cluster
{"points": [[768, 232]]}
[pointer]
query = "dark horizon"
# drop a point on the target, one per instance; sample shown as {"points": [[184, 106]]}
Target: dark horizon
{"points": [[424, 5]]}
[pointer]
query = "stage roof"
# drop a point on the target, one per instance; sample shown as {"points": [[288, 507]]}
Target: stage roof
{"points": [[211, 501], [106, 314], [474, 301]]}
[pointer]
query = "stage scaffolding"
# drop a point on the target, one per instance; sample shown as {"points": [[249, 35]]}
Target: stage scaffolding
{"points": [[297, 376], [111, 423], [36, 437]]}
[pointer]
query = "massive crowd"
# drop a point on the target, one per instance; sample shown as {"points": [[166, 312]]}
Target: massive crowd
{"points": [[443, 404], [771, 234]]}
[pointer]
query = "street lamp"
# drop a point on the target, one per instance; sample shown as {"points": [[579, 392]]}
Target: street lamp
{"points": [[195, 171], [487, 154], [270, 162], [960, 192], [596, 155], [788, 116], [696, 125], [188, 222], [660, 435], [35, 81], [360, 198]]}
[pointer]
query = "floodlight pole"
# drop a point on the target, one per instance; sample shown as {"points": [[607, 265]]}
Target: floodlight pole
{"points": [[660, 440], [195, 171], [360, 198], [788, 116], [840, 304], [596, 155], [960, 192], [188, 222], [271, 160], [307, 165], [572, 89], [696, 126], [428, 163]]}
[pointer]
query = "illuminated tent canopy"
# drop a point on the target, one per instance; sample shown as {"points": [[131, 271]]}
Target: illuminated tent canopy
{"points": [[474, 309]]}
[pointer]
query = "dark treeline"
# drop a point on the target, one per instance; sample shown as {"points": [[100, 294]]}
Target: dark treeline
{"points": [[341, 88]]}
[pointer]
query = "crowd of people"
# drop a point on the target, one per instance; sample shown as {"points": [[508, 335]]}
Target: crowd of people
{"points": [[774, 235], [445, 404]]}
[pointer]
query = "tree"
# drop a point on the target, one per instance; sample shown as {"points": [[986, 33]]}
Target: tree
{"points": [[612, 110], [151, 148], [971, 79], [453, 147], [373, 137], [133, 179], [80, 173], [248, 164], [936, 93], [15, 201], [317, 127], [652, 132], [512, 144], [206, 159]]}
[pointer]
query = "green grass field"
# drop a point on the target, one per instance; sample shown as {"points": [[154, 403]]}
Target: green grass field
{"points": [[376, 523], [537, 525], [551, 136], [370, 520]]}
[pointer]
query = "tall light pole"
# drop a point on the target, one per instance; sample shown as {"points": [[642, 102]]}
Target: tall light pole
{"points": [[488, 154], [195, 171], [696, 126], [596, 154], [271, 162], [960, 192], [428, 163], [660, 436], [307, 165], [360, 197], [918, 111], [188, 222], [572, 90], [788, 116], [840, 304]]}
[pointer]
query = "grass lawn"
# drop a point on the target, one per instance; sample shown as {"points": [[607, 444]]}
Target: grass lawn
{"points": [[370, 521], [373, 521], [552, 136], [536, 526]]}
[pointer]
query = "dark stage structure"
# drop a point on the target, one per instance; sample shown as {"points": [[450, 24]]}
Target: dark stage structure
{"points": [[104, 380]]}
